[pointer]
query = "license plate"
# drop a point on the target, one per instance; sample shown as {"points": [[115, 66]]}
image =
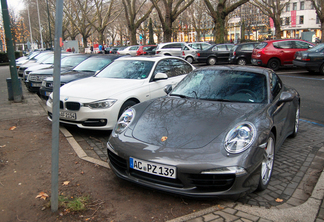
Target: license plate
{"points": [[298, 58], [67, 115], [36, 84], [153, 168]]}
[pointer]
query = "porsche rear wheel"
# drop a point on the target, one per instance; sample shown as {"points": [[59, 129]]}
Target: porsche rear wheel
{"points": [[267, 163], [296, 124]]}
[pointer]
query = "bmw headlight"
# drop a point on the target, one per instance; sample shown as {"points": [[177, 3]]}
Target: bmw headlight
{"points": [[125, 119], [240, 138], [102, 104]]}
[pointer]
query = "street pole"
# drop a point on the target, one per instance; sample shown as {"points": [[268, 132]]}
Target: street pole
{"points": [[30, 30], [40, 27], [49, 25], [16, 89], [56, 104]]}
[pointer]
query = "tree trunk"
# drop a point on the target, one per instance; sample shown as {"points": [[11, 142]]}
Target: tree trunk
{"points": [[322, 29], [220, 27], [101, 36], [133, 40]]}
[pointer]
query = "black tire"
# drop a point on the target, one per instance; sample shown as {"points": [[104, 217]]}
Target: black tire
{"points": [[189, 59], [322, 69], [125, 106], [241, 62], [211, 61], [267, 163], [274, 64], [296, 125]]}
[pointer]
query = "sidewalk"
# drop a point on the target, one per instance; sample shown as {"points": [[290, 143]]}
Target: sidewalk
{"points": [[297, 207]]}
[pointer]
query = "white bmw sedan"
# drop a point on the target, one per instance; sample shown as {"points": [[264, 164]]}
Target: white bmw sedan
{"points": [[98, 101]]}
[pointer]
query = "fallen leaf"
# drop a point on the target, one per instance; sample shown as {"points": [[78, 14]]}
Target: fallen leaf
{"points": [[2, 146], [12, 128], [221, 208], [278, 200], [42, 195], [65, 183], [76, 162], [82, 172]]}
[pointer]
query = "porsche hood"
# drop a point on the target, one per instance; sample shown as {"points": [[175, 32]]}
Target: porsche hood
{"points": [[188, 123]]}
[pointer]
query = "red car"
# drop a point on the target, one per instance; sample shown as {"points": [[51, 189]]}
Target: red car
{"points": [[146, 50], [276, 53]]}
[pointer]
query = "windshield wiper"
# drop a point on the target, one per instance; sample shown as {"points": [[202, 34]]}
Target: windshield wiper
{"points": [[218, 100], [181, 96]]}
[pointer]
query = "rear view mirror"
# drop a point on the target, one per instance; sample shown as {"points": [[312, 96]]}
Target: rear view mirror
{"points": [[160, 76], [167, 89]]}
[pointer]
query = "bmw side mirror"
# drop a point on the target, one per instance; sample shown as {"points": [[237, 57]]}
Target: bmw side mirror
{"points": [[167, 89], [160, 76]]}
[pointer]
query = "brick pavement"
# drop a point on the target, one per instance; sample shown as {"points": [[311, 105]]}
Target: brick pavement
{"points": [[298, 167]]}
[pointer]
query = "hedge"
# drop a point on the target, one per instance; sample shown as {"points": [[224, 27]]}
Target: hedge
{"points": [[4, 56]]}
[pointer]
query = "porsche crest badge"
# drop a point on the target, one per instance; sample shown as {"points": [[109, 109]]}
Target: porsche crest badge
{"points": [[164, 138]]}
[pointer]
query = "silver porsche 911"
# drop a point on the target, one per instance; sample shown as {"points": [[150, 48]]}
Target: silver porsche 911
{"points": [[216, 133]]}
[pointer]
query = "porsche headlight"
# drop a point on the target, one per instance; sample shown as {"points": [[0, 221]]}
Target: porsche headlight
{"points": [[240, 138], [102, 104], [125, 119]]}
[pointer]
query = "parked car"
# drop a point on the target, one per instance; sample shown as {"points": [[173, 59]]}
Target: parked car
{"points": [[189, 54], [22, 66], [85, 69], [97, 102], [170, 49], [130, 50], [215, 54], [199, 45], [216, 133], [276, 53], [312, 59], [113, 50], [146, 50], [35, 78], [241, 54]]}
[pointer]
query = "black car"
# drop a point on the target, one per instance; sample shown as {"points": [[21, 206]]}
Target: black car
{"points": [[215, 54], [312, 59], [85, 69], [35, 78], [241, 53]]}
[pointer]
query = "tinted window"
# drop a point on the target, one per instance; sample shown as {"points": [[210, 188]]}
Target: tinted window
{"points": [[164, 67], [247, 47], [221, 48], [179, 67], [172, 46], [127, 69], [283, 45], [302, 45], [275, 84], [228, 85], [261, 45]]}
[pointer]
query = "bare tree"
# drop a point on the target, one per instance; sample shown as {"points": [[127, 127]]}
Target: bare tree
{"points": [[319, 7], [273, 9], [219, 14], [172, 10], [136, 13]]}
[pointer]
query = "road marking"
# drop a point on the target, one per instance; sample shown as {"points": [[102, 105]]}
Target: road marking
{"points": [[307, 121]]}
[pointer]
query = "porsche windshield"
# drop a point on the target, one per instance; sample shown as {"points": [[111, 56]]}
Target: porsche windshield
{"points": [[127, 69], [223, 85]]}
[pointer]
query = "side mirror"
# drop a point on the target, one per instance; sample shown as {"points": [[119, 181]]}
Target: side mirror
{"points": [[286, 97], [167, 89], [160, 76], [97, 72]]}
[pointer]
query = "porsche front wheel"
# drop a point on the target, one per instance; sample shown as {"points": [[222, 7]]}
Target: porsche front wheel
{"points": [[267, 163]]}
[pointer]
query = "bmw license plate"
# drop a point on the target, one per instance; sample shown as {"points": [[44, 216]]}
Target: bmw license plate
{"points": [[68, 115], [153, 168]]}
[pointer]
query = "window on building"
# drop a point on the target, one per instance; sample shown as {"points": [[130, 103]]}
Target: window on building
{"points": [[288, 8], [302, 5], [287, 21], [281, 21], [317, 20], [312, 6], [301, 19], [295, 6]]}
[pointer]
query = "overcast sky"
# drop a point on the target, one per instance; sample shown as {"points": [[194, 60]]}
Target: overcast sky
{"points": [[15, 4]]}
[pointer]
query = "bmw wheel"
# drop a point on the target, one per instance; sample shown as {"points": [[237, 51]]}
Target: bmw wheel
{"points": [[125, 106], [211, 61], [274, 64], [241, 62], [267, 163]]}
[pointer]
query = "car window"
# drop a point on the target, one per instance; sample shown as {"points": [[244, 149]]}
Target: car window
{"points": [[302, 45], [318, 48], [247, 47], [221, 48], [127, 69], [234, 48], [93, 64], [72, 60], [275, 84], [134, 48], [195, 46], [185, 48], [163, 66], [229, 47], [179, 67], [261, 45], [223, 85], [283, 45]]}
